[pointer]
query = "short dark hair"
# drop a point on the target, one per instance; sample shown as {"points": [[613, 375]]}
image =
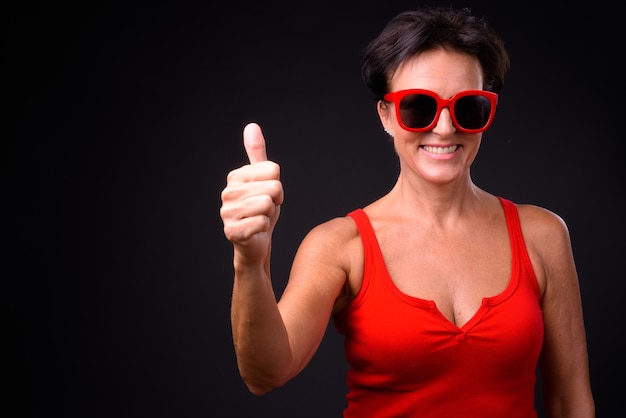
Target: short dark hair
{"points": [[427, 28]]}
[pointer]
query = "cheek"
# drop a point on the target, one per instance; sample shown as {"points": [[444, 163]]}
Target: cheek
{"points": [[471, 149], [405, 142]]}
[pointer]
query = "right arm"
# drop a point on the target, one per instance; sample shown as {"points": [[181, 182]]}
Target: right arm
{"points": [[275, 340]]}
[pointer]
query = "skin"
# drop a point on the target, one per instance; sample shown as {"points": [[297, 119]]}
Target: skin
{"points": [[433, 207]]}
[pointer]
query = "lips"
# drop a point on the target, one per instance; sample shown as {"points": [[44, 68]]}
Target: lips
{"points": [[440, 150]]}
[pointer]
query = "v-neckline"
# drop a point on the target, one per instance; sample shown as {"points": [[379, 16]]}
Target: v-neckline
{"points": [[431, 305]]}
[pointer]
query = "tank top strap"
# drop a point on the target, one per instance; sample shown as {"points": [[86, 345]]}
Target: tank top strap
{"points": [[520, 256], [364, 226], [372, 254]]}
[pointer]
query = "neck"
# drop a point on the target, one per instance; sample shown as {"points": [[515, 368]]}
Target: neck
{"points": [[442, 205]]}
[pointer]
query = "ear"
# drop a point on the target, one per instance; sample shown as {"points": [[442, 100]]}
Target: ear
{"points": [[385, 115]]}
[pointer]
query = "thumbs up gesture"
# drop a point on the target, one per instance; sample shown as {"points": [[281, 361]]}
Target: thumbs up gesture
{"points": [[251, 200]]}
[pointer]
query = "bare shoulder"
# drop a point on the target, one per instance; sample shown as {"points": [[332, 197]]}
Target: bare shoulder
{"points": [[330, 239], [336, 241], [548, 243], [340, 229], [333, 249], [539, 224]]}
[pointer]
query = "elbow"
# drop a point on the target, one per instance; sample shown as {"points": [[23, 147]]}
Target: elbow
{"points": [[261, 385], [257, 389], [261, 377]]}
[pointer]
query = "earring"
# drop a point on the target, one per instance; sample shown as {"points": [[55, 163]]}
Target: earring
{"points": [[389, 132]]}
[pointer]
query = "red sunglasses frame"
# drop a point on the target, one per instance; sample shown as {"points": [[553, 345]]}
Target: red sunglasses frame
{"points": [[397, 96]]}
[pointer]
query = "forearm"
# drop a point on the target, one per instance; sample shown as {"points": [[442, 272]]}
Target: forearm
{"points": [[260, 338]]}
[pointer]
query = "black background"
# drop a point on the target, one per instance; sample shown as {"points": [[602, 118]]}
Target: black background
{"points": [[121, 119]]}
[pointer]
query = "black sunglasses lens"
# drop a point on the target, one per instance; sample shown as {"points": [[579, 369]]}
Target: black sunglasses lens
{"points": [[417, 110], [472, 112]]}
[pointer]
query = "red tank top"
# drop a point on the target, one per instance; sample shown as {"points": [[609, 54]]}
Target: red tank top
{"points": [[408, 360]]}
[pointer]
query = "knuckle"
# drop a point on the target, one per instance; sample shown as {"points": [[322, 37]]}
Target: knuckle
{"points": [[274, 169], [262, 204], [229, 233], [229, 195], [276, 188], [225, 213], [232, 175]]}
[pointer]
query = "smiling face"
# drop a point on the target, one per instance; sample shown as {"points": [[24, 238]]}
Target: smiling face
{"points": [[441, 155]]}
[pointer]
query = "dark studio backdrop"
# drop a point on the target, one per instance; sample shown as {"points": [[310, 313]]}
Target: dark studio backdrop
{"points": [[121, 119]]}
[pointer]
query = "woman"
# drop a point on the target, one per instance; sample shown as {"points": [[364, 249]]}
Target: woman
{"points": [[447, 295]]}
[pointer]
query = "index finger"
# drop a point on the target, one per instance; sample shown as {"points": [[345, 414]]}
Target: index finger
{"points": [[254, 143]]}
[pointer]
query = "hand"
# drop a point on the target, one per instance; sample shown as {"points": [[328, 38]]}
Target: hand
{"points": [[251, 200]]}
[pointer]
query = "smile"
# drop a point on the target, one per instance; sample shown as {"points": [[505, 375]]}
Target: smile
{"points": [[440, 150]]}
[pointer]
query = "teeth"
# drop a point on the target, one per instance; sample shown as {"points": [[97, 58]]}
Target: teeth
{"points": [[441, 150]]}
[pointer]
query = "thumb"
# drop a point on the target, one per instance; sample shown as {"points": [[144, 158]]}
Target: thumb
{"points": [[254, 143]]}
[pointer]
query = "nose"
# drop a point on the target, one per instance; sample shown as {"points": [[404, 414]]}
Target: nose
{"points": [[444, 125]]}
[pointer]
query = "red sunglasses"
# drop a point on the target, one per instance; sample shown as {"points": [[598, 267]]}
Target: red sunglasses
{"points": [[418, 110]]}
